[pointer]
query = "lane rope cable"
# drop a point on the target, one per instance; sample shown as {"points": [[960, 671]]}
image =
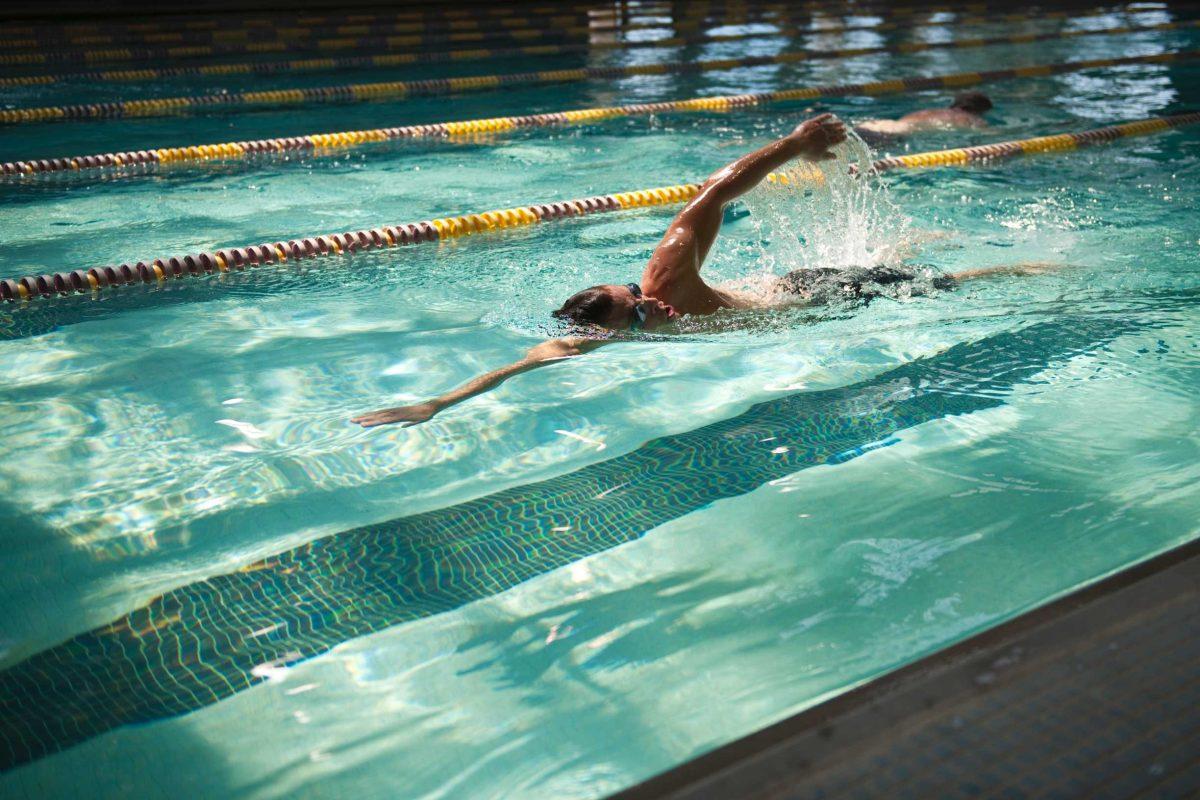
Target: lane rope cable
{"points": [[693, 10], [303, 43], [402, 89], [278, 39], [441, 15], [338, 142], [293, 31], [578, 24], [239, 258], [389, 59]]}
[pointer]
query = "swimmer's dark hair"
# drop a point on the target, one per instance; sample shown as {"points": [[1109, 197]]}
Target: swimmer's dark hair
{"points": [[972, 102], [592, 306]]}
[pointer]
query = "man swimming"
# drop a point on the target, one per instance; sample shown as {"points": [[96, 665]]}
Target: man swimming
{"points": [[965, 111], [671, 284]]}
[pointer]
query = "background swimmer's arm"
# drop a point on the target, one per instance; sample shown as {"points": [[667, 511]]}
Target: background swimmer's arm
{"points": [[540, 355], [1024, 268], [691, 234]]}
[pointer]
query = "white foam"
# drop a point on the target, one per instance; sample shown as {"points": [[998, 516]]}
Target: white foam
{"points": [[833, 214]]}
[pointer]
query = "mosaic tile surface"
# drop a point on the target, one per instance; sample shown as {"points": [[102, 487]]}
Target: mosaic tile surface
{"points": [[200, 643]]}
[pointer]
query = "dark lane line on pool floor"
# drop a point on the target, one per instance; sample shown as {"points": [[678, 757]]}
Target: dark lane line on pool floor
{"points": [[206, 641]]}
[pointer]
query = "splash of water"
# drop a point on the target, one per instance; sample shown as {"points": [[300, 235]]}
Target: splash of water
{"points": [[831, 214]]}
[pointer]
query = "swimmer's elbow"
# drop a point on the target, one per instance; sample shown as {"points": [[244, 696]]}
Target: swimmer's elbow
{"points": [[721, 176], [722, 187]]}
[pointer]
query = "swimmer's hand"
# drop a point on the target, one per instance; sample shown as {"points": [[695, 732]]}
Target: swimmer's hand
{"points": [[409, 415], [817, 135]]}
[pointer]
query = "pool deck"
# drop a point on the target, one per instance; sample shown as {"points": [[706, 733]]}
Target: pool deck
{"points": [[1092, 695]]}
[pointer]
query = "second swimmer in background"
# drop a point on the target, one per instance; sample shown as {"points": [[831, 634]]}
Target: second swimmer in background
{"points": [[965, 111]]}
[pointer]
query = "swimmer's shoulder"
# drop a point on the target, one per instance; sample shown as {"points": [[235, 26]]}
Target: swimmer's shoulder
{"points": [[738, 300]]}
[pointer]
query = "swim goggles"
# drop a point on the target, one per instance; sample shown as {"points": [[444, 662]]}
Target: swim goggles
{"points": [[639, 313]]}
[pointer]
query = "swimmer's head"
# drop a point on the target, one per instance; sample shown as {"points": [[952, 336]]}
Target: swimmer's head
{"points": [[972, 103], [615, 307]]}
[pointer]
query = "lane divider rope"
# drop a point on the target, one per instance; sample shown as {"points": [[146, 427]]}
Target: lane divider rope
{"points": [[400, 89], [285, 40], [239, 258], [278, 32], [337, 142], [388, 59], [226, 20], [440, 15], [142, 47], [289, 30], [301, 43], [292, 40], [463, 14]]}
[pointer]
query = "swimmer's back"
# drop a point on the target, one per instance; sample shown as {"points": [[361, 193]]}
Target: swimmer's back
{"points": [[924, 120], [824, 285], [942, 118]]}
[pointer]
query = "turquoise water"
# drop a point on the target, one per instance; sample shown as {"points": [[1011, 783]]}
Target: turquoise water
{"points": [[611, 564]]}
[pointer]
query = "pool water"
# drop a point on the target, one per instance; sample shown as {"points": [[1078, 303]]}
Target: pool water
{"points": [[611, 564]]}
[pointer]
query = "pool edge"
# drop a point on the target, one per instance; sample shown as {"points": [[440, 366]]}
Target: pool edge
{"points": [[796, 756]]}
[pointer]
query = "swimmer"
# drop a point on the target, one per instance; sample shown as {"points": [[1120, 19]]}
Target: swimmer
{"points": [[671, 285], [966, 111]]}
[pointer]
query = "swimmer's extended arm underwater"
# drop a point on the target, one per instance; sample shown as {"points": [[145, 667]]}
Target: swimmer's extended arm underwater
{"points": [[540, 355]]}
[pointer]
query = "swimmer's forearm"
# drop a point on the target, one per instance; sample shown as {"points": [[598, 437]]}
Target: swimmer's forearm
{"points": [[427, 409], [545, 353], [421, 412], [811, 140], [734, 180], [483, 383]]}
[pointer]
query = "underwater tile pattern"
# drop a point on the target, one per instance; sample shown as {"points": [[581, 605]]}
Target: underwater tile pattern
{"points": [[206, 641]]}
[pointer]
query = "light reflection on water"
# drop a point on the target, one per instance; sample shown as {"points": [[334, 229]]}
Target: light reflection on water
{"points": [[123, 476]]}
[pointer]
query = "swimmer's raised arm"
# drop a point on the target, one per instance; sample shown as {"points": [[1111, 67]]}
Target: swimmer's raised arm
{"points": [[540, 355], [811, 140], [671, 285], [692, 232]]}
